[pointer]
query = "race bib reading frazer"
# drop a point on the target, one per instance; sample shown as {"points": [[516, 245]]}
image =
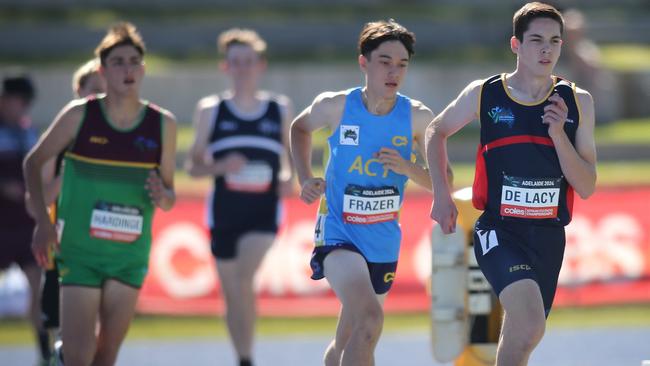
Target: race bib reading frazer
{"points": [[255, 177], [363, 205], [116, 222], [530, 198]]}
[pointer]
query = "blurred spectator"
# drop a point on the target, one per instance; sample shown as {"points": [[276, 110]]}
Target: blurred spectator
{"points": [[582, 63], [16, 226]]}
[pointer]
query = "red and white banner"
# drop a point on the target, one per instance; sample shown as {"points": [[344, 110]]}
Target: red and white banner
{"points": [[607, 259]]}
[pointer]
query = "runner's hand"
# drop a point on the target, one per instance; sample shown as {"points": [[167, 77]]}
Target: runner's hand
{"points": [[44, 238], [233, 163], [555, 114], [312, 189], [445, 213], [391, 159], [155, 187]]}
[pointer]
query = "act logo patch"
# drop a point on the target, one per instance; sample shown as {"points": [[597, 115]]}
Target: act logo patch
{"points": [[349, 135]]}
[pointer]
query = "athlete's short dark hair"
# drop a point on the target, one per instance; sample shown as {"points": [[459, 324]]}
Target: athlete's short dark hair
{"points": [[375, 33], [121, 34], [531, 11]]}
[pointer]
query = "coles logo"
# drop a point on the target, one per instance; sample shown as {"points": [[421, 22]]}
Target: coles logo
{"points": [[514, 211]]}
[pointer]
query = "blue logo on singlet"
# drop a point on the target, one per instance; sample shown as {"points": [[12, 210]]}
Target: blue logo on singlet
{"points": [[144, 144], [502, 115]]}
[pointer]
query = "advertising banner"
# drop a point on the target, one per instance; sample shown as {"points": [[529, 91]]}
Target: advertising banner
{"points": [[607, 259]]}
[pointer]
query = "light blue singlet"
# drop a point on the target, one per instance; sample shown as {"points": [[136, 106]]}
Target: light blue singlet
{"points": [[362, 199]]}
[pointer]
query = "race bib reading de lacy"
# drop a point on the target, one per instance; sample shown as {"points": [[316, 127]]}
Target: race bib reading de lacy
{"points": [[530, 198], [364, 205], [116, 222], [254, 177]]}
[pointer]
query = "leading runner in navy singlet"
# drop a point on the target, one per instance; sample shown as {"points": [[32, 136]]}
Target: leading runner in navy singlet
{"points": [[537, 148]]}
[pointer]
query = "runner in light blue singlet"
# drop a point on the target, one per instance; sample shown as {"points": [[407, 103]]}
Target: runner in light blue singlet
{"points": [[362, 199]]}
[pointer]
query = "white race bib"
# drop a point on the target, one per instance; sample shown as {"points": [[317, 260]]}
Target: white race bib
{"points": [[530, 198], [116, 222], [256, 176], [363, 205]]}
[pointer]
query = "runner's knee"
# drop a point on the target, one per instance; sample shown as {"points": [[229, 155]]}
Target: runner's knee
{"points": [[371, 322], [526, 335]]}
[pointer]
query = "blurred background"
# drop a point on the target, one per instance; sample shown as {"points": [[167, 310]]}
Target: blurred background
{"points": [[605, 283]]}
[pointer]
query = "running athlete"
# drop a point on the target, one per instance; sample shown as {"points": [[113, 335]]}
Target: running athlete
{"points": [[16, 226], [357, 231], [118, 166], [537, 148], [241, 141], [86, 81]]}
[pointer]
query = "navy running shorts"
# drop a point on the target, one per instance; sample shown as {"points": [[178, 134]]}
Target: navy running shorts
{"points": [[508, 251], [382, 275], [223, 241]]}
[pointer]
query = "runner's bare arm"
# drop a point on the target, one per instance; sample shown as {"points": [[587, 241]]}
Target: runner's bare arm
{"points": [[325, 111], [59, 135], [457, 114], [51, 181], [199, 161], [422, 115], [51, 185], [578, 163], [161, 183], [286, 164]]}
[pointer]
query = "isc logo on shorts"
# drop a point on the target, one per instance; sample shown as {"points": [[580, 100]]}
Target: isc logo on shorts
{"points": [[519, 267]]}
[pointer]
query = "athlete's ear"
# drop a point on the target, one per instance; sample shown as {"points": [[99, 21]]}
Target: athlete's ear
{"points": [[514, 44], [363, 63]]}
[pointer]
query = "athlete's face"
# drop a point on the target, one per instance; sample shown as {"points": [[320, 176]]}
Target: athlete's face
{"points": [[540, 49], [123, 70], [243, 65], [385, 68], [94, 84]]}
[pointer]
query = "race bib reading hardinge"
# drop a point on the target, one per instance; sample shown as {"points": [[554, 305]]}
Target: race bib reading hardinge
{"points": [[116, 222]]}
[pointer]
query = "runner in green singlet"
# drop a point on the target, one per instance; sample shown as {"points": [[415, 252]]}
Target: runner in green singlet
{"points": [[118, 167]]}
